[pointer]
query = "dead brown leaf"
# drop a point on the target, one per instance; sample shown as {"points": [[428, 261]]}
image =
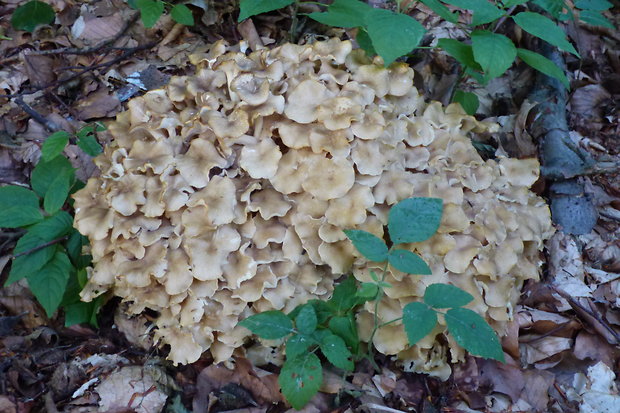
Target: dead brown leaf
{"points": [[100, 104]]}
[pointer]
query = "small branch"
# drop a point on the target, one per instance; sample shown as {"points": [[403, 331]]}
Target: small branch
{"points": [[40, 247], [48, 124]]}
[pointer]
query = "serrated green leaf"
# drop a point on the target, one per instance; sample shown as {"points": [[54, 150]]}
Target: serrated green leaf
{"points": [[306, 320], [469, 101], [19, 216], [484, 12], [597, 5], [58, 191], [544, 65], [269, 324], [595, 18], [54, 145], [473, 333], [393, 34], [369, 245], [54, 227], [553, 7], [414, 219], [408, 262], [494, 52], [418, 320], [32, 14], [300, 379], [180, 13], [544, 28], [249, 8], [441, 10], [89, 145], [336, 352], [343, 299], [462, 52], [343, 13], [368, 291], [345, 327], [45, 172], [298, 344], [150, 11], [446, 296], [49, 283]]}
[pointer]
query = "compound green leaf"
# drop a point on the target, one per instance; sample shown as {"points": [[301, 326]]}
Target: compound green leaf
{"points": [[300, 379], [462, 52], [28, 16], [446, 296], [369, 245], [414, 219], [269, 324], [494, 52], [336, 352], [180, 13], [58, 191], [419, 320], [544, 28], [393, 34], [249, 8], [343, 13], [150, 11], [49, 283], [473, 333], [595, 18], [544, 65], [441, 10], [298, 344], [45, 172], [89, 145], [469, 101], [306, 320], [54, 145], [408, 262], [598, 5], [484, 12]]}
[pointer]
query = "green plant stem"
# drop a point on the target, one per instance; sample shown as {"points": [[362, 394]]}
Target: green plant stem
{"points": [[371, 347], [387, 323], [294, 23]]}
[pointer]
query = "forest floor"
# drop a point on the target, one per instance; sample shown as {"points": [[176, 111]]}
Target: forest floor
{"points": [[564, 342]]}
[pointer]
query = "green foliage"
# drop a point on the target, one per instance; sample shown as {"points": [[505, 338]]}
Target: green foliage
{"points": [[152, 10], [469, 101], [32, 14], [494, 52], [545, 29], [330, 327], [249, 8], [49, 254]]}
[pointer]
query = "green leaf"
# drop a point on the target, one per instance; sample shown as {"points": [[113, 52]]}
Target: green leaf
{"points": [[553, 7], [544, 28], [595, 18], [368, 291], [469, 101], [45, 172], [441, 10], [300, 379], [150, 11], [74, 244], [28, 16], [446, 296], [49, 283], [343, 13], [54, 227], [13, 195], [269, 324], [544, 65], [393, 34], [54, 145], [343, 299], [180, 13], [419, 320], [363, 39], [473, 333], [58, 191], [369, 245], [25, 265], [17, 216], [408, 262], [510, 3], [345, 327], [336, 352], [484, 12], [89, 145], [298, 344], [306, 320], [462, 52], [249, 8], [494, 52], [598, 5], [414, 219], [82, 313]]}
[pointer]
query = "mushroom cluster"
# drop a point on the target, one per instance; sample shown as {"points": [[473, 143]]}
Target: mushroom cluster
{"points": [[225, 194]]}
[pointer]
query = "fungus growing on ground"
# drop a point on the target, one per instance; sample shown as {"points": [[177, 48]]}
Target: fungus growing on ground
{"points": [[225, 194]]}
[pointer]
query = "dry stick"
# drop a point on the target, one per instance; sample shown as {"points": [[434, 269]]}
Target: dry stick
{"points": [[48, 124], [40, 247]]}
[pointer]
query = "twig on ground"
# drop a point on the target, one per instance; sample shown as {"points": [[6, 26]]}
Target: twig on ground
{"points": [[48, 124], [40, 247]]}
